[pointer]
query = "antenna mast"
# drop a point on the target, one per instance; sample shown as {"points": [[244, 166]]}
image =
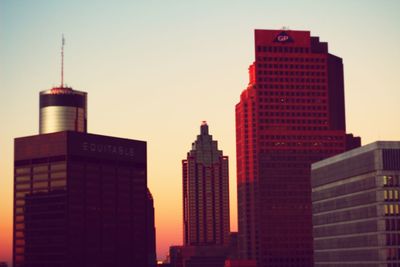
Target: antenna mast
{"points": [[62, 61]]}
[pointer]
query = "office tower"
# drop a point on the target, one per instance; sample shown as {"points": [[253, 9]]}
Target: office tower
{"points": [[205, 193], [80, 200], [151, 231], [62, 109], [290, 115], [356, 207]]}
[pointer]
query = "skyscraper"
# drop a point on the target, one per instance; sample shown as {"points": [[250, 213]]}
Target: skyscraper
{"points": [[205, 193], [356, 207], [79, 199], [290, 115]]}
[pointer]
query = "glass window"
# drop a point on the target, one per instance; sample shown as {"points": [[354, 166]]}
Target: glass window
{"points": [[19, 210], [24, 178], [58, 175], [19, 234], [40, 184], [19, 226], [19, 218], [20, 202], [58, 166], [21, 194], [23, 186], [20, 242], [42, 176], [58, 183], [41, 168], [22, 170]]}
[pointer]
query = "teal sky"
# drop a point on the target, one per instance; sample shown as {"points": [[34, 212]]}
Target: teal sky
{"points": [[155, 69]]}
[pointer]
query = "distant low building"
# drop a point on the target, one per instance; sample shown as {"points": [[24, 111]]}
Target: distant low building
{"points": [[198, 256]]}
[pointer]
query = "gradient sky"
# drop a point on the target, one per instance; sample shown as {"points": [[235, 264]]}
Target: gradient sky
{"points": [[155, 69]]}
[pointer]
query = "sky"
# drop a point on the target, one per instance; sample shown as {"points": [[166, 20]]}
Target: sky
{"points": [[154, 70]]}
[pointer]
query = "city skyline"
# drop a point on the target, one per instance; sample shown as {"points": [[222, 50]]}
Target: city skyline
{"points": [[128, 94]]}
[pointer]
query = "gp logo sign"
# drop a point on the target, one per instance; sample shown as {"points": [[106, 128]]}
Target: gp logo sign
{"points": [[283, 37]]}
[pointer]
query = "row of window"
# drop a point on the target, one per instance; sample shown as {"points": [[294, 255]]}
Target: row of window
{"points": [[393, 239], [282, 49], [54, 166], [293, 66], [391, 180], [393, 254], [302, 144], [392, 210], [28, 191], [292, 59], [291, 100], [40, 177], [300, 137], [291, 73], [309, 151], [297, 107], [293, 114], [391, 195], [392, 224], [290, 86], [293, 121], [294, 128], [289, 93], [292, 80]]}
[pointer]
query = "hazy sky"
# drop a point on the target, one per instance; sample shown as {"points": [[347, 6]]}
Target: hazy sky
{"points": [[154, 70]]}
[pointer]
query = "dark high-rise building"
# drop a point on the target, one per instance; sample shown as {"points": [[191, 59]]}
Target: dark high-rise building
{"points": [[291, 114], [356, 207], [205, 193], [80, 200]]}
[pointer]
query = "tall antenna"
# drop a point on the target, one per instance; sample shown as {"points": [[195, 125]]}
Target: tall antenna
{"points": [[62, 61]]}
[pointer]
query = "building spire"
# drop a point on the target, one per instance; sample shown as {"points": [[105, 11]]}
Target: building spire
{"points": [[62, 61], [204, 128]]}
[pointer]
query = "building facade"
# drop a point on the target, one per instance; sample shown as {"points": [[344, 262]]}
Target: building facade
{"points": [[291, 114], [356, 207], [205, 193], [80, 200]]}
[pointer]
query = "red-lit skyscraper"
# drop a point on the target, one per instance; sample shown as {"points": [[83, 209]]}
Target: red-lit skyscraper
{"points": [[291, 114]]}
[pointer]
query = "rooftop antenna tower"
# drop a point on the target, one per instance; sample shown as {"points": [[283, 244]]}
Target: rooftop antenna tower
{"points": [[62, 61]]}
